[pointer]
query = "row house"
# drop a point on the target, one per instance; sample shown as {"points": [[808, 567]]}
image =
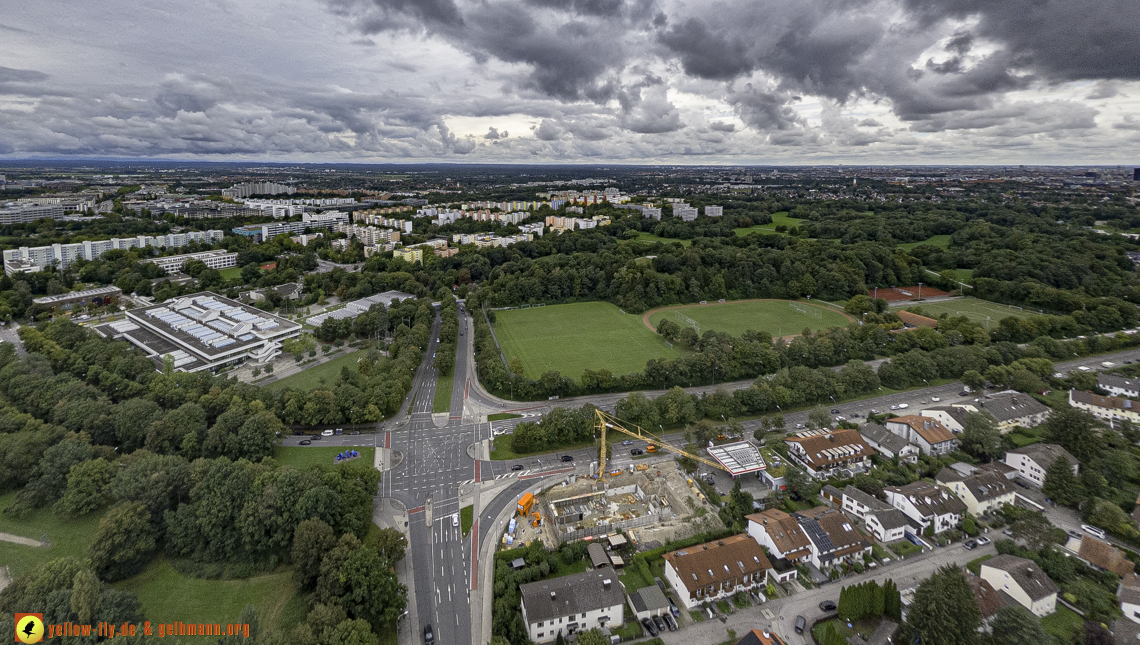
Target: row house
{"points": [[716, 570]]}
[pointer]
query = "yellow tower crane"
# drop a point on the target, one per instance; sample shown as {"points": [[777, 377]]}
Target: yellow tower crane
{"points": [[604, 421]]}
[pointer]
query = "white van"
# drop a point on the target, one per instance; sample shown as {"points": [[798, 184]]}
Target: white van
{"points": [[327, 433], [1094, 531]]}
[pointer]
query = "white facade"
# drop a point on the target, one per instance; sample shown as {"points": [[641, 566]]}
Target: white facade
{"points": [[63, 255], [976, 506], [546, 631], [714, 211], [918, 507], [1028, 468], [1002, 581], [884, 533], [212, 259]]}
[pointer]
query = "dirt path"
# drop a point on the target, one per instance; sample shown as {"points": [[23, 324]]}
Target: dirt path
{"points": [[16, 539], [645, 316]]}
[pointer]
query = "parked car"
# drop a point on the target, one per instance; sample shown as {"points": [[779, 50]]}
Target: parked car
{"points": [[355, 432], [800, 426], [903, 406], [673, 606], [894, 407], [567, 458], [670, 622], [982, 541], [935, 399], [801, 623], [516, 467], [627, 442], [429, 635], [306, 442], [963, 393], [828, 605], [636, 451], [326, 433], [969, 544], [648, 625], [657, 620], [835, 410], [1008, 532], [874, 411], [340, 431]]}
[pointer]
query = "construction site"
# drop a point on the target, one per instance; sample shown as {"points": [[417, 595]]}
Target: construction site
{"points": [[655, 505]]}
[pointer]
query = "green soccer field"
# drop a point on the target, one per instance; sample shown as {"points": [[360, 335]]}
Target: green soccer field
{"points": [[777, 317], [573, 338], [972, 308]]}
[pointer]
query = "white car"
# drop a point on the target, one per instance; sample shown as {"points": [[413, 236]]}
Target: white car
{"points": [[894, 407], [935, 399], [455, 519], [903, 406], [1093, 531]]}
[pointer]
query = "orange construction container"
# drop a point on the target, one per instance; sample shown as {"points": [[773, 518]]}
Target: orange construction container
{"points": [[525, 503]]}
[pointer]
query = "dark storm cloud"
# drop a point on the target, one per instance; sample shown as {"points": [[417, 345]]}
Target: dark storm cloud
{"points": [[705, 54], [375, 16]]}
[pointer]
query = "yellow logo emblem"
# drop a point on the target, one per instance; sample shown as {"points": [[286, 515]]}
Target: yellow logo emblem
{"points": [[29, 628]]}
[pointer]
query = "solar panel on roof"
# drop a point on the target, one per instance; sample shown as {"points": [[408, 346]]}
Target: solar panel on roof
{"points": [[245, 337], [223, 342]]}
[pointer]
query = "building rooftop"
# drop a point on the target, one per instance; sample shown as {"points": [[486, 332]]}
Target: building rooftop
{"points": [[577, 593], [783, 529], [877, 434], [989, 600], [649, 598], [738, 458], [1114, 380], [830, 530], [931, 430], [983, 485], [825, 447], [930, 499], [1105, 556], [1007, 406], [1098, 401], [598, 557], [357, 307], [1045, 454], [78, 295], [718, 562], [1026, 573], [760, 637], [1130, 589], [892, 518], [865, 499]]}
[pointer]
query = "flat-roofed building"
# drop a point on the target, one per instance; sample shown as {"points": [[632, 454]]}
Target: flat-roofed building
{"points": [[99, 296], [202, 331], [221, 259], [740, 458], [25, 213]]}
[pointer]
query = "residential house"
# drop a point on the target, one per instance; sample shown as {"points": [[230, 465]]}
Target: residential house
{"points": [[1129, 594], [982, 492], [716, 570], [882, 520], [834, 538], [823, 453], [1115, 385], [648, 602], [1014, 409], [761, 637], [928, 434], [888, 444], [1108, 408], [989, 599], [952, 417], [927, 505], [572, 603], [1032, 461], [1103, 555], [1003, 470], [1023, 581], [781, 534]]}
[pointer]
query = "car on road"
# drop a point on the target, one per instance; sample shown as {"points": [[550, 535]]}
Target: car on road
{"points": [[840, 418], [636, 451], [1094, 531], [340, 431], [567, 458], [835, 410], [455, 520], [627, 442], [894, 407], [874, 411], [516, 467], [315, 437], [903, 406], [801, 623], [305, 442], [326, 433], [355, 432], [1127, 362], [828, 605], [800, 426], [1074, 534], [982, 541], [649, 627], [1008, 532], [963, 393], [429, 635], [935, 399], [969, 544]]}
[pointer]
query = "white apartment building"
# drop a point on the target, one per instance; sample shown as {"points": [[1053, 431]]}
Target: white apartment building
{"points": [[212, 259], [14, 213], [714, 211], [32, 259], [573, 603], [327, 218], [1032, 461]]}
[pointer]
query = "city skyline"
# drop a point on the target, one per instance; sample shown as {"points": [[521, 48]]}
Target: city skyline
{"points": [[922, 82]]}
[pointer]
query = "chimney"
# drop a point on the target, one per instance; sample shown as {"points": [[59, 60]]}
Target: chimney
{"points": [[606, 584], [552, 596]]}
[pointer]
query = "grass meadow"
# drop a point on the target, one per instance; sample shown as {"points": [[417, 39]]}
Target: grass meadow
{"points": [[776, 317], [980, 311]]}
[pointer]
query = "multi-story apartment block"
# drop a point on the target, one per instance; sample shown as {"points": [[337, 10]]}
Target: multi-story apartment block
{"points": [[33, 259]]}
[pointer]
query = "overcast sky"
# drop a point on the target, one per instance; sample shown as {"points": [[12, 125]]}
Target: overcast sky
{"points": [[738, 81]]}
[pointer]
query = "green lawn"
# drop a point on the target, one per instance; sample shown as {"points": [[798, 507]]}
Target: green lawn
{"points": [[941, 241], [975, 566], [650, 237], [974, 309], [310, 379], [305, 456], [503, 452], [70, 537], [770, 229], [168, 596], [905, 548], [502, 416], [232, 273], [1063, 623], [572, 338], [773, 316], [442, 400], [466, 518]]}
